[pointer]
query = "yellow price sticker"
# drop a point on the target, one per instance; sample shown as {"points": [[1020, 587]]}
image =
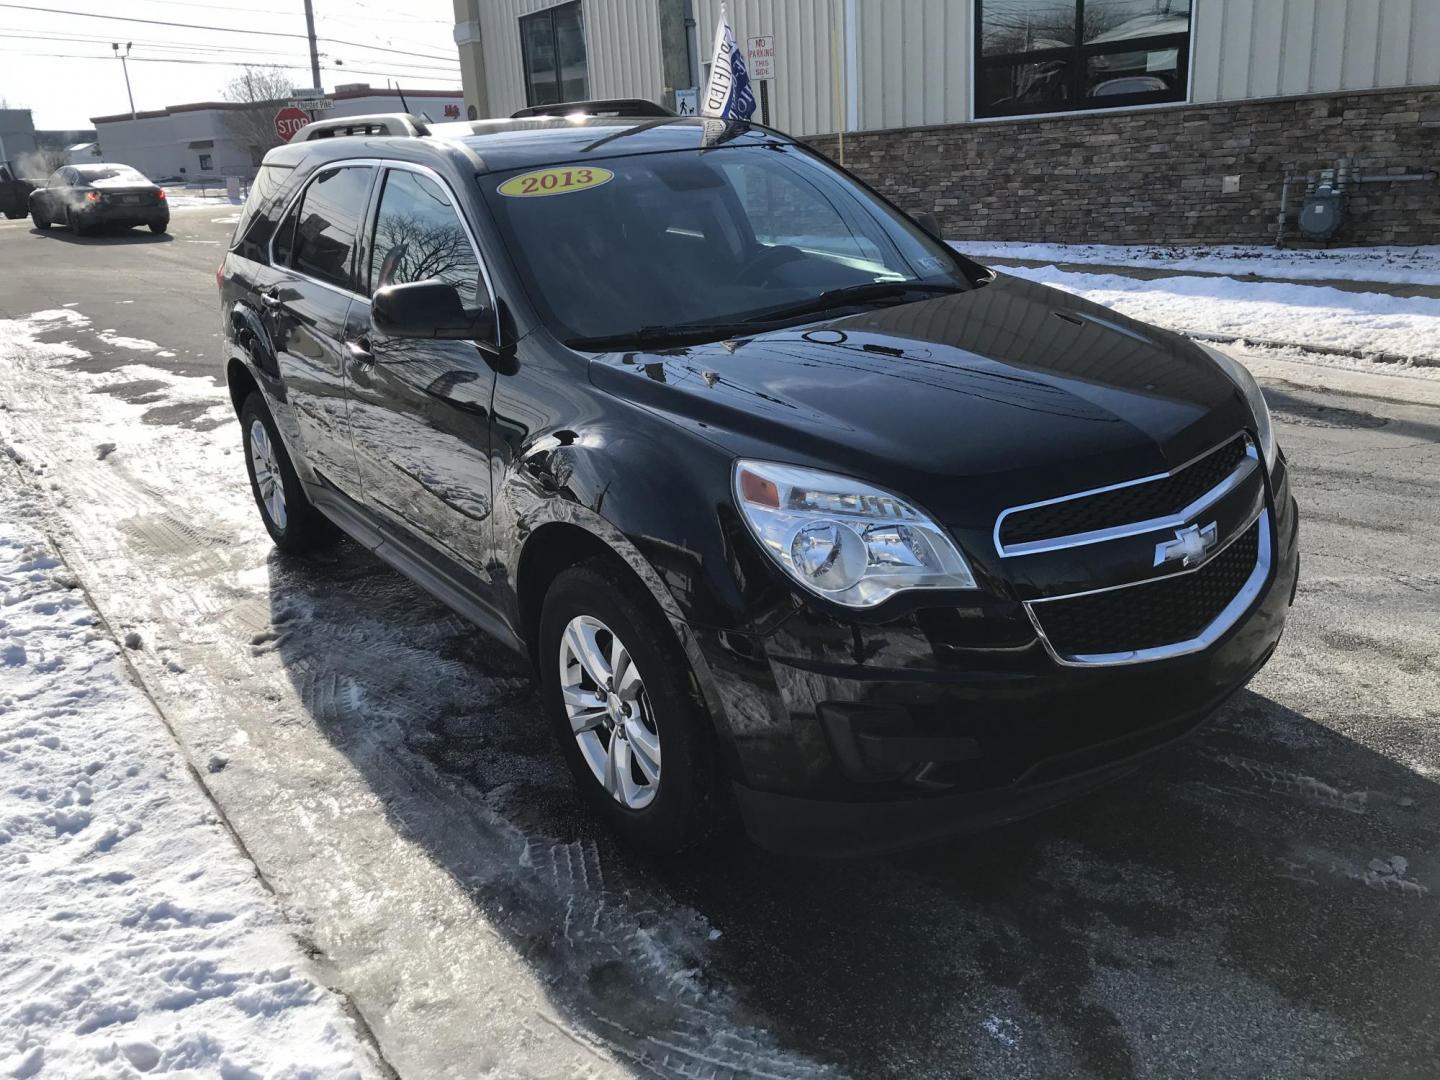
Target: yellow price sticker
{"points": [[554, 182]]}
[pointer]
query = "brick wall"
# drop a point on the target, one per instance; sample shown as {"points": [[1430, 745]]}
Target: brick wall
{"points": [[1155, 175]]}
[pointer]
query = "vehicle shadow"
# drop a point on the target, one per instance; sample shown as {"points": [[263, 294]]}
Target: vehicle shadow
{"points": [[106, 236], [1242, 906]]}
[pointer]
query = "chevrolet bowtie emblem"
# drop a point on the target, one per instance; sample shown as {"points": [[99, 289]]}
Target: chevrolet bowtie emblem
{"points": [[1190, 546]]}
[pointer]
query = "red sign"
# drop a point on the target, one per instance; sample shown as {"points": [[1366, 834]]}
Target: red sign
{"points": [[289, 121]]}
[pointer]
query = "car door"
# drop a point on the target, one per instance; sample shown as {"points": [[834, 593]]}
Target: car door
{"points": [[53, 200], [307, 292], [420, 408]]}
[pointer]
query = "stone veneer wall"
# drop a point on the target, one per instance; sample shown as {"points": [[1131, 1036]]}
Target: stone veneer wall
{"points": [[1154, 175]]}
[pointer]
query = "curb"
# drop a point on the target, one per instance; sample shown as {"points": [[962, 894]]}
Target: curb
{"points": [[1323, 350]]}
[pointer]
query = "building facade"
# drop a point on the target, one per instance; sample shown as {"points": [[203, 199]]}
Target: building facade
{"points": [[201, 141], [1102, 120]]}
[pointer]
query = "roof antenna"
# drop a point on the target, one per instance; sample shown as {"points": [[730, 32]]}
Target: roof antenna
{"points": [[405, 104]]}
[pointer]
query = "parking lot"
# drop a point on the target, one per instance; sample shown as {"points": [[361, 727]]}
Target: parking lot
{"points": [[1259, 902]]}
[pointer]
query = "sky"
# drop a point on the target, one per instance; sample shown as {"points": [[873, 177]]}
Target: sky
{"points": [[59, 64]]}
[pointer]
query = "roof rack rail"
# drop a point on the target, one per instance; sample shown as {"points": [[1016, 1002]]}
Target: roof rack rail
{"points": [[610, 107], [401, 124]]}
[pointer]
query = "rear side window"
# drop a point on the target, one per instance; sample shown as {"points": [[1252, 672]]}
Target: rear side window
{"points": [[257, 217], [419, 236], [318, 236]]}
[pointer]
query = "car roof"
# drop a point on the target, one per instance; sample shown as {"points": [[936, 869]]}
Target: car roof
{"points": [[502, 145]]}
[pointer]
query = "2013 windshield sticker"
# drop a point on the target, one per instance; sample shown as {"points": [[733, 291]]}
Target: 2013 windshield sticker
{"points": [[554, 182]]}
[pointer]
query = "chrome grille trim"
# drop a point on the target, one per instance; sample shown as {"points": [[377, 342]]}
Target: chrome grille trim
{"points": [[1227, 618], [1119, 532]]}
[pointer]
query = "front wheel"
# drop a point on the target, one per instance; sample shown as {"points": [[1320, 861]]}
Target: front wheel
{"points": [[40, 220], [623, 704], [14, 215], [290, 518]]}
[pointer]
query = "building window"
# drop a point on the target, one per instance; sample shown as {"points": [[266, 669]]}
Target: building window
{"points": [[1041, 56], [552, 44], [205, 165]]}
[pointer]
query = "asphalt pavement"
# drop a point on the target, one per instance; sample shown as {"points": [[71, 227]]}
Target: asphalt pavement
{"points": [[1259, 902]]}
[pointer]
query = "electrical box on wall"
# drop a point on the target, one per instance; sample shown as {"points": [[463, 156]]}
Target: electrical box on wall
{"points": [[1229, 185]]}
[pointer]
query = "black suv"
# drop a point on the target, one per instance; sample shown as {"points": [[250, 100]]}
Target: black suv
{"points": [[793, 508]]}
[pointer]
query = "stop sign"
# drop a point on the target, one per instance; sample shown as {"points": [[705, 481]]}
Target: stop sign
{"points": [[288, 121]]}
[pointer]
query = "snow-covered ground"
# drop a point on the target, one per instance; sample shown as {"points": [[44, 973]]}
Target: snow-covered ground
{"points": [[1394, 265], [1263, 312], [135, 936]]}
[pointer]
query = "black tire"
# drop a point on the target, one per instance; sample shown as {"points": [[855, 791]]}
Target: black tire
{"points": [[77, 228], [684, 809], [40, 220], [14, 215], [158, 228], [305, 528]]}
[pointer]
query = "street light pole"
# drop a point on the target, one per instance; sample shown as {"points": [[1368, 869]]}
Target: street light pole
{"points": [[115, 45]]}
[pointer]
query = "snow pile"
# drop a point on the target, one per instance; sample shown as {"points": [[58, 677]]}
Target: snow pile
{"points": [[135, 936], [1304, 315], [1394, 265]]}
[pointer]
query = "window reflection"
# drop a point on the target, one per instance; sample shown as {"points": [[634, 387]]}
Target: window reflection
{"points": [[1055, 55], [419, 236]]}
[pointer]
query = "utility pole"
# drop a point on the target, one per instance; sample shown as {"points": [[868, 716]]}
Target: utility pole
{"points": [[115, 45], [314, 50]]}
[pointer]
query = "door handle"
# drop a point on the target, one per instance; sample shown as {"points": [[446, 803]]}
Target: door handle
{"points": [[270, 299], [359, 351]]}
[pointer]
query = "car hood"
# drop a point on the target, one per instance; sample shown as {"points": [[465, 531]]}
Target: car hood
{"points": [[967, 403]]}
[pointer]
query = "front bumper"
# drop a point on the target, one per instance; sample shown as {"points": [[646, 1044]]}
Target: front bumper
{"points": [[849, 739]]}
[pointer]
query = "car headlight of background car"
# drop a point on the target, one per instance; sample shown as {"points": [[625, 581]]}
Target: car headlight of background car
{"points": [[1264, 426], [842, 539]]}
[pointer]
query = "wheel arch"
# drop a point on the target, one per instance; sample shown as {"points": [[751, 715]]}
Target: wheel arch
{"points": [[575, 534]]}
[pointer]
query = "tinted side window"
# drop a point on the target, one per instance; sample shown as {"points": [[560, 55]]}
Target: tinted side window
{"points": [[285, 236], [257, 218], [418, 236], [329, 222]]}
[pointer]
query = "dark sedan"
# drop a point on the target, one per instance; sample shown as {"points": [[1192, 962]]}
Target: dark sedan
{"points": [[84, 197]]}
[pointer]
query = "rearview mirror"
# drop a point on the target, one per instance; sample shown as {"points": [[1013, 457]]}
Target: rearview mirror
{"points": [[429, 309], [929, 222]]}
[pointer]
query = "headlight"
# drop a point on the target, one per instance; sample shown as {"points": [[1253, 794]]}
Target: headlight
{"points": [[1264, 427], [842, 539]]}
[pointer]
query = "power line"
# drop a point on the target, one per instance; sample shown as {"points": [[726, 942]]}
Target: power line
{"points": [[228, 63], [263, 58], [221, 30]]}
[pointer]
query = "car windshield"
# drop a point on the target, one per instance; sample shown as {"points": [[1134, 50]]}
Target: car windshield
{"points": [[115, 174], [694, 243]]}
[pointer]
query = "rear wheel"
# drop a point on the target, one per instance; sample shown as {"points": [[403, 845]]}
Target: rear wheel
{"points": [[158, 226], [290, 518], [77, 227], [14, 215], [621, 699]]}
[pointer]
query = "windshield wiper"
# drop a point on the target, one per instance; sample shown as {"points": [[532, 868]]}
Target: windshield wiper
{"points": [[874, 291], [678, 334]]}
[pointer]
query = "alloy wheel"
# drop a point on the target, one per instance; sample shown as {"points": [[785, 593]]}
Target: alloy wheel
{"points": [[268, 478], [609, 712]]}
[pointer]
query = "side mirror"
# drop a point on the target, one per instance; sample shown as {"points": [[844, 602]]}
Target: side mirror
{"points": [[929, 222], [429, 309]]}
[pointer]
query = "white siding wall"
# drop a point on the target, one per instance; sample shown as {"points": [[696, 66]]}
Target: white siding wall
{"points": [[915, 57], [915, 61], [622, 45], [803, 95], [1263, 48]]}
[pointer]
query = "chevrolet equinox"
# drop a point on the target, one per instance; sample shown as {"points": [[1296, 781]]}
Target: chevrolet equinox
{"points": [[795, 510]]}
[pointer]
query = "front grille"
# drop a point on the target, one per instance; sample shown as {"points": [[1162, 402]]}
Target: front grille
{"points": [[1162, 612], [1124, 506]]}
